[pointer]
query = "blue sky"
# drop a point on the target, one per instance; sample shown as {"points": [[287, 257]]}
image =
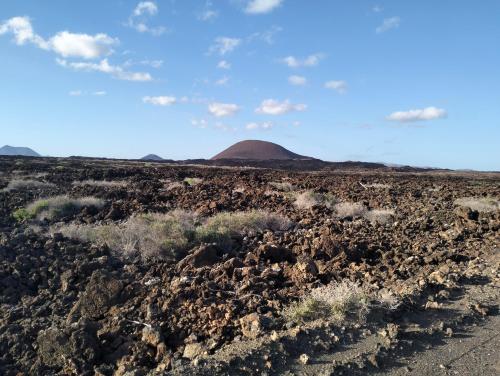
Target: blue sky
{"points": [[404, 81]]}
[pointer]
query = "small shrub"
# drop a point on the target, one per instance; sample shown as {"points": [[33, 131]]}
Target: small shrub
{"points": [[56, 207], [223, 226], [100, 183], [376, 185], [166, 236], [174, 185], [193, 181], [308, 199], [336, 302], [239, 190], [282, 186], [380, 216], [480, 204], [21, 215], [349, 210], [152, 236], [18, 184]]}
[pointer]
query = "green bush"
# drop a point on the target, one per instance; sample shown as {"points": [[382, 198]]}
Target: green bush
{"points": [[56, 207]]}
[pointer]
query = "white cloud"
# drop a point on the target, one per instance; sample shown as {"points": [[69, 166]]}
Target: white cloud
{"points": [[223, 64], [309, 61], [85, 46], [388, 24], [262, 6], [99, 93], [297, 80], [140, 17], [63, 43], [23, 32], [222, 82], [104, 67], [152, 63], [75, 93], [377, 9], [208, 15], [145, 7], [223, 109], [274, 107], [224, 45], [339, 86], [160, 100], [199, 123], [429, 113], [257, 126], [266, 36], [224, 127]]}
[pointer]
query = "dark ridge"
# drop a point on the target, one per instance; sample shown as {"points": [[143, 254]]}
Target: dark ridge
{"points": [[258, 151], [152, 157], [13, 150]]}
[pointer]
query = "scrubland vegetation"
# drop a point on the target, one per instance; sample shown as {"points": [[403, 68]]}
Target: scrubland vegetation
{"points": [[480, 204], [163, 236], [17, 184], [56, 207], [100, 183]]}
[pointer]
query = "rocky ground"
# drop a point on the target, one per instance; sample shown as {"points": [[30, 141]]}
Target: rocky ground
{"points": [[71, 307]]}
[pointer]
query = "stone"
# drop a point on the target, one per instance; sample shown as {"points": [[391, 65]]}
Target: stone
{"points": [[253, 325]]}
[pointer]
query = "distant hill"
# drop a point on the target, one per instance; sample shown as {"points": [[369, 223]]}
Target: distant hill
{"points": [[258, 150], [152, 157], [13, 150]]}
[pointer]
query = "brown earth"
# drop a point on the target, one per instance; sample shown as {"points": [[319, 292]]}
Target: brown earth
{"points": [[68, 307]]}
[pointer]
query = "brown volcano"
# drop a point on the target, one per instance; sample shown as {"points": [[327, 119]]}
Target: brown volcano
{"points": [[258, 150]]}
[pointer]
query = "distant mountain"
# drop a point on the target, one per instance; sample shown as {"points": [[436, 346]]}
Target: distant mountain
{"points": [[13, 150], [258, 150], [152, 157]]}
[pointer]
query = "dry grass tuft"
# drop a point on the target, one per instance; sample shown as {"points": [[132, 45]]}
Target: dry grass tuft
{"points": [[380, 216], [56, 207], [309, 199], [282, 186], [19, 184], [167, 236], [100, 183], [480, 204], [376, 185], [350, 210], [193, 181], [152, 236], [336, 302], [174, 185]]}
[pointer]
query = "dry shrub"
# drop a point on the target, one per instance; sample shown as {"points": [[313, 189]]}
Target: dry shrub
{"points": [[174, 185], [221, 227], [239, 190], [380, 216], [377, 185], [56, 207], [336, 302], [152, 236], [349, 210], [100, 183], [193, 181], [480, 204], [308, 199], [167, 236], [19, 184], [282, 186]]}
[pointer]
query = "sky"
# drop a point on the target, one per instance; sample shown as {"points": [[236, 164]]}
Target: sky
{"points": [[412, 82]]}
